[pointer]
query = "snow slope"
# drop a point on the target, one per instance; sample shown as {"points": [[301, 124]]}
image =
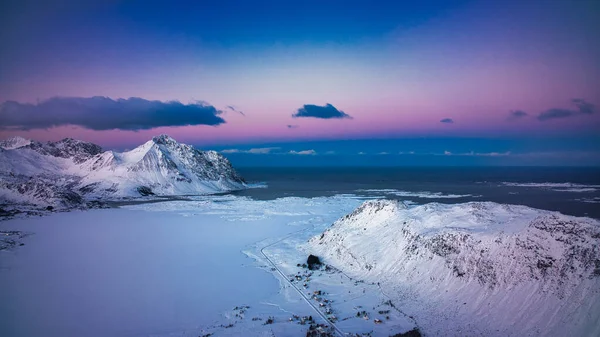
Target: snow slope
{"points": [[477, 268], [43, 173]]}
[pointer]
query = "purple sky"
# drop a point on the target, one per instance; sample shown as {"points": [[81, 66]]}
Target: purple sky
{"points": [[397, 70]]}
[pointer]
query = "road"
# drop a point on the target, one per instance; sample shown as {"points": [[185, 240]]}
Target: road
{"points": [[306, 299]]}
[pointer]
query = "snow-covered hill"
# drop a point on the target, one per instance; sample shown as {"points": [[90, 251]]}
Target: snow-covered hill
{"points": [[69, 172], [476, 268]]}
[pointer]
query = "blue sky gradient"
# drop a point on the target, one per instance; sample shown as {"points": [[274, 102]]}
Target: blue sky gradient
{"points": [[511, 76]]}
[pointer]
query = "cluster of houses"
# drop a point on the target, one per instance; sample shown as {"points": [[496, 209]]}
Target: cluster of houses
{"points": [[319, 330], [302, 320], [299, 277], [324, 304]]}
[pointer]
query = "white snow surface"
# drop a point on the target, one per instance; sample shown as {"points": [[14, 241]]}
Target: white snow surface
{"points": [[172, 268], [477, 268], [44, 174], [175, 268]]}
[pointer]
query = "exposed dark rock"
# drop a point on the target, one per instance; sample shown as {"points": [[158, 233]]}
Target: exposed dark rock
{"points": [[145, 191], [412, 333], [313, 262], [78, 150], [88, 188], [596, 271]]}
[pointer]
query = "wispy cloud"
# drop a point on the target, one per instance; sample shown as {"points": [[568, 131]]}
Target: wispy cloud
{"points": [[447, 121], [259, 150], [327, 111], [103, 113], [555, 113], [290, 126], [489, 154], [477, 154], [230, 151], [234, 109], [517, 114], [581, 108], [304, 152], [263, 150], [271, 150]]}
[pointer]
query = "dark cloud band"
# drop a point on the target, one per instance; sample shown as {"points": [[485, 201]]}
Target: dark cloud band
{"points": [[517, 114], [327, 111], [103, 113], [581, 108]]}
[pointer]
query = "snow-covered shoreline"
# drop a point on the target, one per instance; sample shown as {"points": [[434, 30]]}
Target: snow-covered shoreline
{"points": [[398, 293]]}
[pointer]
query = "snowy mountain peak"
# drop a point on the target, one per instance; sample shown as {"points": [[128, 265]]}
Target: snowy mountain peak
{"points": [[164, 139], [14, 143], [161, 166], [165, 167]]}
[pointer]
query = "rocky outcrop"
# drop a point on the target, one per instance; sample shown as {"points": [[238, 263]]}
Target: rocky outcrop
{"points": [[69, 148]]}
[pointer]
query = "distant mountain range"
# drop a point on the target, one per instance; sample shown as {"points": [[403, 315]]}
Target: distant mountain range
{"points": [[72, 173]]}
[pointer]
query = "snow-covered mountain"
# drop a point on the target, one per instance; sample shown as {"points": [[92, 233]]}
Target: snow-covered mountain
{"points": [[71, 172], [14, 143], [476, 268]]}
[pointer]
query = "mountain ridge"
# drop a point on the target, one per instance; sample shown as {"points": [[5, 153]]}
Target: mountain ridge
{"points": [[14, 143], [491, 269], [35, 173]]}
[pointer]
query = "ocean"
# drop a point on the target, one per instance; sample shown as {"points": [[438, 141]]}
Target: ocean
{"points": [[573, 191]]}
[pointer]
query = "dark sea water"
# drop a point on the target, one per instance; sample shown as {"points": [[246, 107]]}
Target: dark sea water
{"points": [[574, 191]]}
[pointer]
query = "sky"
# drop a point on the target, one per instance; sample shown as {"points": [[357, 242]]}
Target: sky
{"points": [[319, 82]]}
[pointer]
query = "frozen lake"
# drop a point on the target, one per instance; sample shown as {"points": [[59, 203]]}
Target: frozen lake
{"points": [[122, 272], [162, 269]]}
